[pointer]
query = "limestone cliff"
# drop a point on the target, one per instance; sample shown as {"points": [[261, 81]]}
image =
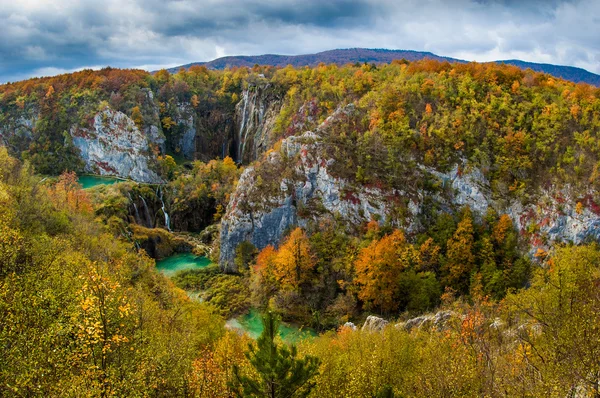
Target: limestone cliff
{"points": [[553, 214], [114, 145], [17, 132], [294, 186]]}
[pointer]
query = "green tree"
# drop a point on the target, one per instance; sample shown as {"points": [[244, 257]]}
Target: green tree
{"points": [[460, 260], [278, 371], [245, 253]]}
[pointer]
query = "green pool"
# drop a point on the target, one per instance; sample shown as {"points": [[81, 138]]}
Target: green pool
{"points": [[179, 262], [92, 181], [251, 323]]}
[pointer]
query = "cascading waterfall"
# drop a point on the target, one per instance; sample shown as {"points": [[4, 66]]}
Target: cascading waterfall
{"points": [[242, 127], [149, 222], [159, 193], [254, 98], [138, 219]]}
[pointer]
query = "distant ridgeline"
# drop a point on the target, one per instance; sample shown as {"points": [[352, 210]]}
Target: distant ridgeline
{"points": [[378, 56]]}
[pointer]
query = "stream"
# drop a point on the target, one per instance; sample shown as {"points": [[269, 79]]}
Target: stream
{"points": [[249, 323]]}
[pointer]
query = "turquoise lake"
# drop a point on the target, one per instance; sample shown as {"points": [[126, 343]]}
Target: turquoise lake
{"points": [[93, 181], [179, 262]]}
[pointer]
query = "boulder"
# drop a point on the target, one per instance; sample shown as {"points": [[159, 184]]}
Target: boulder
{"points": [[374, 324]]}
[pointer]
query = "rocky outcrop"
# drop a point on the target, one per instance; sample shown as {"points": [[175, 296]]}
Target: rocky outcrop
{"points": [[554, 214], [255, 117], [115, 146], [294, 186], [349, 325], [374, 324], [160, 243], [438, 321], [16, 134], [186, 122], [261, 213]]}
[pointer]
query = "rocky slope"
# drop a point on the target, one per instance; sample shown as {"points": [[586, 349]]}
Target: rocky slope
{"points": [[301, 189], [294, 185], [17, 133], [115, 146]]}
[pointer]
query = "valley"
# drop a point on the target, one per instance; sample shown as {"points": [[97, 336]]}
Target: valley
{"points": [[423, 225]]}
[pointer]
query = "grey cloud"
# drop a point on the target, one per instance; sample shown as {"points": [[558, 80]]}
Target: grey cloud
{"points": [[52, 35]]}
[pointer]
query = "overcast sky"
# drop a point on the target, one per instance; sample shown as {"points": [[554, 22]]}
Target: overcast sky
{"points": [[46, 37]]}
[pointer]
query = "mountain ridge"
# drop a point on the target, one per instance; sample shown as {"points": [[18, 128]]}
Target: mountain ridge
{"points": [[370, 55]]}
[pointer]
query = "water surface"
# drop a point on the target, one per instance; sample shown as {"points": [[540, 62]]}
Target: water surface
{"points": [[93, 181], [251, 323], [179, 262]]}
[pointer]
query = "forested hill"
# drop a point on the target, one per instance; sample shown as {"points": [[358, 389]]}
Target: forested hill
{"points": [[353, 55], [340, 57]]}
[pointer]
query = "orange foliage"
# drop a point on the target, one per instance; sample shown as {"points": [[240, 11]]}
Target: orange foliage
{"points": [[502, 227], [213, 369], [265, 261], [428, 109], [295, 263], [429, 254], [67, 194], [378, 268]]}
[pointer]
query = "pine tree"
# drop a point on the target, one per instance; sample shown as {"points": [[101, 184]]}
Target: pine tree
{"points": [[277, 370]]}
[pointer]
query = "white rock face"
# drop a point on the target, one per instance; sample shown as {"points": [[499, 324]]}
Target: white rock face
{"points": [[263, 221], [551, 217], [438, 321], [349, 325], [374, 324], [470, 188], [20, 129], [115, 146]]}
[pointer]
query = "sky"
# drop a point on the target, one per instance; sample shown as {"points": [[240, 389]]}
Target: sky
{"points": [[48, 37]]}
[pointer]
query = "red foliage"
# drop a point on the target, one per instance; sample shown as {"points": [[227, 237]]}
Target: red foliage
{"points": [[350, 196]]}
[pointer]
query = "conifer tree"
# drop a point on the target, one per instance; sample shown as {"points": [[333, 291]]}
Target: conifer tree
{"points": [[277, 370]]}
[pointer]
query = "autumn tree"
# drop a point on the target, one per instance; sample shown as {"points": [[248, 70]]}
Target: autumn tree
{"points": [[560, 314], [295, 261], [264, 282], [378, 269], [136, 116], [460, 258], [67, 194]]}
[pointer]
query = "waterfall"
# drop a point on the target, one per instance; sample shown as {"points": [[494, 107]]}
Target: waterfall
{"points": [[167, 219], [149, 222], [240, 148], [246, 132], [138, 220]]}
